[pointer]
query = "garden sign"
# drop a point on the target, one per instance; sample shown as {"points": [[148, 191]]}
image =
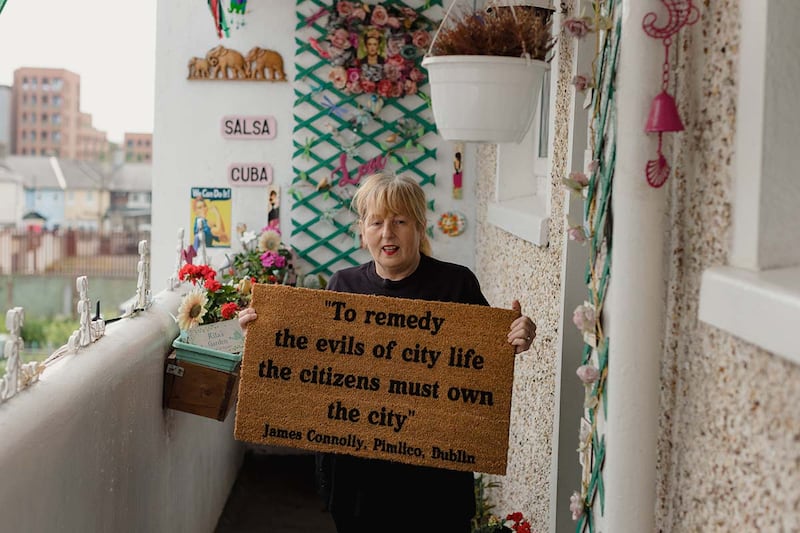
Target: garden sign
{"points": [[412, 381]]}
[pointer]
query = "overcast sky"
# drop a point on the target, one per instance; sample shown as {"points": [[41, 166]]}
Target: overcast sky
{"points": [[111, 45]]}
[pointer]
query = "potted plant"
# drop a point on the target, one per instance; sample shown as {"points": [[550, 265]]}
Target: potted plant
{"points": [[486, 67], [210, 333]]}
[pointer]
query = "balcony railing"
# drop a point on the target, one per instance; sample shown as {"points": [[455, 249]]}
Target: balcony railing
{"points": [[69, 253], [87, 445]]}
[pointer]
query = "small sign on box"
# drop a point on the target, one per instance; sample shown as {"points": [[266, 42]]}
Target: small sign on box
{"points": [[224, 336]]}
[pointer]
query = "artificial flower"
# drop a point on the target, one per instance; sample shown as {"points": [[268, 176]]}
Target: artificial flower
{"points": [[588, 373], [576, 505], [577, 234], [584, 317], [270, 240], [577, 26], [192, 309], [581, 82]]}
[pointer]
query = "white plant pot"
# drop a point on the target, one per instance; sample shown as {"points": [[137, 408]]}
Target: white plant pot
{"points": [[484, 98]]}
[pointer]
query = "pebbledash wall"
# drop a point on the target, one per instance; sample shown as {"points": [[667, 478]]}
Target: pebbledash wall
{"points": [[729, 432]]}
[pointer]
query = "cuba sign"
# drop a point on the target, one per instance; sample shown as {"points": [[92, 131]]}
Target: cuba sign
{"points": [[250, 174]]}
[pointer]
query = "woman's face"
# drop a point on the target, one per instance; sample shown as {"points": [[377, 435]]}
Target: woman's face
{"points": [[200, 208], [372, 46], [393, 242]]}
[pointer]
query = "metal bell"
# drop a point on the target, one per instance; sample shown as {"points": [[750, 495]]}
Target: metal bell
{"points": [[664, 114]]}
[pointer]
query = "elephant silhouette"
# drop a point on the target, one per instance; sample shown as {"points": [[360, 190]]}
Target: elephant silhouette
{"points": [[266, 60], [198, 68], [221, 59]]}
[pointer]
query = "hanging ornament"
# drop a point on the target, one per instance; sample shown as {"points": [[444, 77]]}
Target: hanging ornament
{"points": [[452, 223], [664, 116], [218, 12], [458, 175], [237, 11]]}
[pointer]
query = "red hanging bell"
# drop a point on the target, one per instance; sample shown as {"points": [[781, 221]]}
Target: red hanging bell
{"points": [[664, 114]]}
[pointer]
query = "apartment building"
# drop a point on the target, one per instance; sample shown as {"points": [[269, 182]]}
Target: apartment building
{"points": [[5, 120], [138, 147], [46, 118]]}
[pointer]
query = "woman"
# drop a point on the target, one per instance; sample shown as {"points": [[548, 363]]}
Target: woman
{"points": [[206, 229], [374, 495]]}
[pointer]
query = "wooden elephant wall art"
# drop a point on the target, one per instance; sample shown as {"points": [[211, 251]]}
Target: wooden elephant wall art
{"points": [[220, 63]]}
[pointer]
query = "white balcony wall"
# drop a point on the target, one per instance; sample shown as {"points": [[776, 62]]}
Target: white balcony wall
{"points": [[90, 448]]}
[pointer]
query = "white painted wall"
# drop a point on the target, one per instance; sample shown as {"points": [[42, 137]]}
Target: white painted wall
{"points": [[89, 447], [188, 148]]}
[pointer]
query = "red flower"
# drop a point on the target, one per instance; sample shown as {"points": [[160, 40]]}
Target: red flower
{"points": [[213, 285], [228, 310]]}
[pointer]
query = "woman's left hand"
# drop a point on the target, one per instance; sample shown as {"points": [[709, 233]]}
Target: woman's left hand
{"points": [[522, 331]]}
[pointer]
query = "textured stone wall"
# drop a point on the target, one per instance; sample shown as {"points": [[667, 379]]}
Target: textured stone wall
{"points": [[511, 268], [729, 444]]}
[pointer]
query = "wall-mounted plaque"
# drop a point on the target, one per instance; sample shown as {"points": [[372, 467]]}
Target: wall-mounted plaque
{"points": [[249, 174], [248, 127]]}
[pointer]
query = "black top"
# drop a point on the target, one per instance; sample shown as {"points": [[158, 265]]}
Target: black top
{"points": [[397, 492]]}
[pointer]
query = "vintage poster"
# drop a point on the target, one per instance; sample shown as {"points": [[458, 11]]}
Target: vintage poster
{"points": [[274, 207], [210, 209]]}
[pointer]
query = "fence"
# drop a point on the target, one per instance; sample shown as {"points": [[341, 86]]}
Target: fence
{"points": [[70, 253]]}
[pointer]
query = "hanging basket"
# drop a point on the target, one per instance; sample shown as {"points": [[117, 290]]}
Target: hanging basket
{"points": [[489, 99]]}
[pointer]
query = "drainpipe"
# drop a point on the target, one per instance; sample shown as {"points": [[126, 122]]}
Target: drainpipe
{"points": [[636, 299]]}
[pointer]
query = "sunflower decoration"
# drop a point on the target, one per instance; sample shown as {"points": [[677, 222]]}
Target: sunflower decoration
{"points": [[209, 301]]}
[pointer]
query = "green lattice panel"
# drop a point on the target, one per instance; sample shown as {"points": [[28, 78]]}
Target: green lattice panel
{"points": [[323, 233]]}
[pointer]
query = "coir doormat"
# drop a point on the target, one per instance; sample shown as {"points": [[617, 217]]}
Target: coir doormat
{"points": [[413, 381]]}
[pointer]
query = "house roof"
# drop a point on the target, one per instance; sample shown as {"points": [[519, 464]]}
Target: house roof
{"points": [[132, 177], [38, 172], [30, 215]]}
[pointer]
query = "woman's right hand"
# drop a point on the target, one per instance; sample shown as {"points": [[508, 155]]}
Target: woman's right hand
{"points": [[246, 315]]}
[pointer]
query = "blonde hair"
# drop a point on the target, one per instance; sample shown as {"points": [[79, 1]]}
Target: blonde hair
{"points": [[393, 195]]}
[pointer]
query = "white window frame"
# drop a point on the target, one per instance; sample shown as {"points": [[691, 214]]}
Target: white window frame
{"points": [[757, 296], [521, 204]]}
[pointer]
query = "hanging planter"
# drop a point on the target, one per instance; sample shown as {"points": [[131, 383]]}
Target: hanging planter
{"points": [[484, 98], [485, 71]]}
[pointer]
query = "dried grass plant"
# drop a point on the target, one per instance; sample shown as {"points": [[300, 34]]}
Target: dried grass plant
{"points": [[500, 32]]}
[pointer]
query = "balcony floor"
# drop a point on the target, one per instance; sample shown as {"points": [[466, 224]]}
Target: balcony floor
{"points": [[275, 494]]}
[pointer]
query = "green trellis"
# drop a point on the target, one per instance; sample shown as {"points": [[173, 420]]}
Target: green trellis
{"points": [[599, 221], [322, 223]]}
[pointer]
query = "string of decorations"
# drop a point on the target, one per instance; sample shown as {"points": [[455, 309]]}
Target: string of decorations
{"points": [[596, 231]]}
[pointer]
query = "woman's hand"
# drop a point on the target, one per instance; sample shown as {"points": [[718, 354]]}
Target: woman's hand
{"points": [[521, 333], [246, 315]]}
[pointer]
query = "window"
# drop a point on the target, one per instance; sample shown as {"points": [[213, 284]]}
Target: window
{"points": [[45, 100], [522, 194], [56, 137], [58, 83], [25, 84], [34, 99], [56, 118], [24, 118], [44, 118], [33, 135], [56, 100], [757, 296], [45, 84], [34, 83]]}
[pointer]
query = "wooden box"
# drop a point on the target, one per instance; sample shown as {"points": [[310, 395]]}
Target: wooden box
{"points": [[198, 389]]}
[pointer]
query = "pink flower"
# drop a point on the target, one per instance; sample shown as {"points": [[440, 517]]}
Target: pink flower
{"points": [[416, 75], [338, 77], [368, 86], [393, 22], [588, 373], [584, 317], [580, 178], [391, 72], [379, 16], [385, 88], [577, 27], [421, 39], [409, 13], [577, 233], [581, 82], [340, 38], [273, 259], [394, 46], [344, 8], [576, 505], [354, 87], [353, 75], [396, 60], [359, 13]]}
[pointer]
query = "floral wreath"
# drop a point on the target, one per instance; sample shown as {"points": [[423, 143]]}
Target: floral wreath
{"points": [[376, 49]]}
